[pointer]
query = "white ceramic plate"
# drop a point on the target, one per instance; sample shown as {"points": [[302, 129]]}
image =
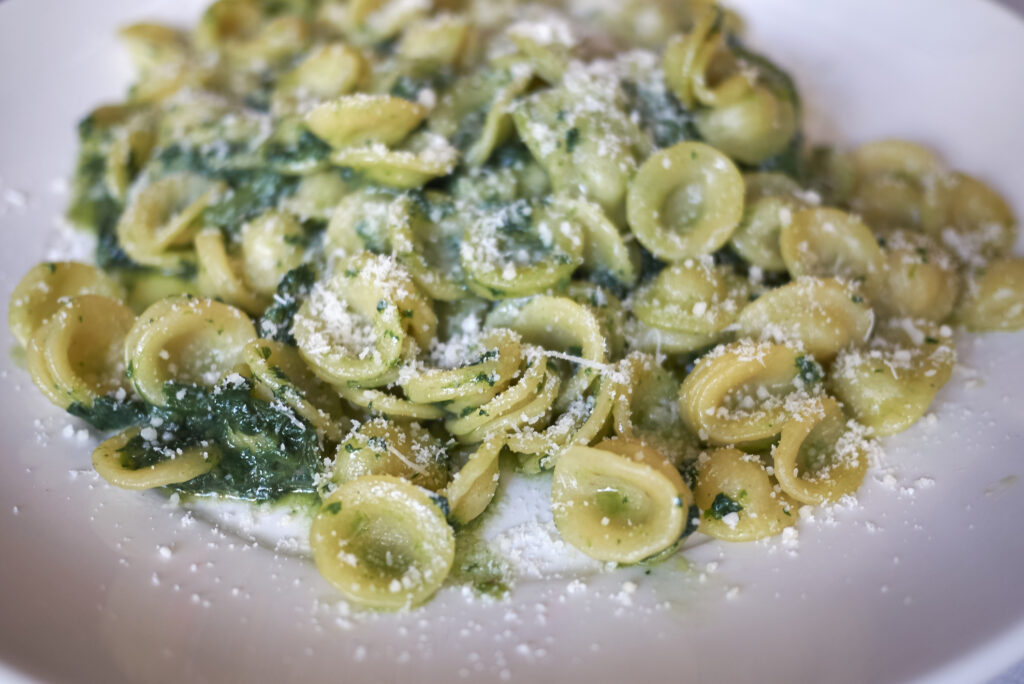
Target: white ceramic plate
{"points": [[920, 580]]}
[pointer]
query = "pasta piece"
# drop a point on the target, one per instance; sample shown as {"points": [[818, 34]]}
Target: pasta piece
{"points": [[128, 461], [161, 56], [382, 542], [692, 297], [356, 120], [523, 249], [360, 222], [831, 243], [605, 251], [75, 356], [383, 447], [769, 203], [555, 324], [821, 315], [186, 340], [895, 184], [425, 156], [280, 371], [994, 298], [972, 219], [889, 385], [685, 201], [527, 400], [218, 274], [737, 498], [646, 408], [161, 220], [752, 129], [425, 237], [475, 113], [38, 295], [581, 134], [746, 392], [473, 486], [440, 41], [620, 501], [327, 72], [922, 279], [273, 243], [482, 368], [369, 22], [819, 458]]}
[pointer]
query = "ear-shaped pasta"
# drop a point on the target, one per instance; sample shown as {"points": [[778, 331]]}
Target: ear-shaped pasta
{"points": [[474, 114], [329, 71], [218, 274], [282, 375], [225, 21], [355, 328], [360, 222], [620, 501], [361, 119], [275, 41], [685, 201], [128, 461], [752, 129], [646, 408], [471, 490], [367, 22], [547, 46], [130, 148], [823, 315], [895, 184], [161, 219], [692, 297], [272, 245], [425, 237], [75, 356], [921, 278], [590, 150], [382, 447], [521, 249], [819, 458], [389, 403], [738, 499], [481, 368], [383, 542], [994, 297], [146, 288], [831, 243], [658, 341], [316, 196], [769, 203], [973, 219], [161, 57], [439, 41], [555, 324], [185, 339], [745, 392], [424, 157], [39, 293], [890, 384], [699, 70], [609, 311], [526, 401], [605, 253]]}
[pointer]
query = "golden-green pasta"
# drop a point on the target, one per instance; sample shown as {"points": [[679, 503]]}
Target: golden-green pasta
{"points": [[387, 255], [383, 542], [619, 501]]}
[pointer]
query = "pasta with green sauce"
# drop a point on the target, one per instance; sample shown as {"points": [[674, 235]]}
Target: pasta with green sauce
{"points": [[386, 254]]}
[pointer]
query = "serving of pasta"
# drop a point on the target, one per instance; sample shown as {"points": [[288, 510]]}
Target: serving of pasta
{"points": [[381, 254]]}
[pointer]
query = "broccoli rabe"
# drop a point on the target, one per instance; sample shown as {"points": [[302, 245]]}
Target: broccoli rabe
{"points": [[276, 323]]}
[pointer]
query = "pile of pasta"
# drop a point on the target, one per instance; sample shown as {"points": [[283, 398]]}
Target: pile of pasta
{"points": [[390, 252]]}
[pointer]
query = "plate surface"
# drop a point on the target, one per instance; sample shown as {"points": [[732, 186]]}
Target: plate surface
{"points": [[919, 580]]}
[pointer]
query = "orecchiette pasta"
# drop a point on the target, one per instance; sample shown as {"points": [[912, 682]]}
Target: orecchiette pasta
{"points": [[391, 256]]}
